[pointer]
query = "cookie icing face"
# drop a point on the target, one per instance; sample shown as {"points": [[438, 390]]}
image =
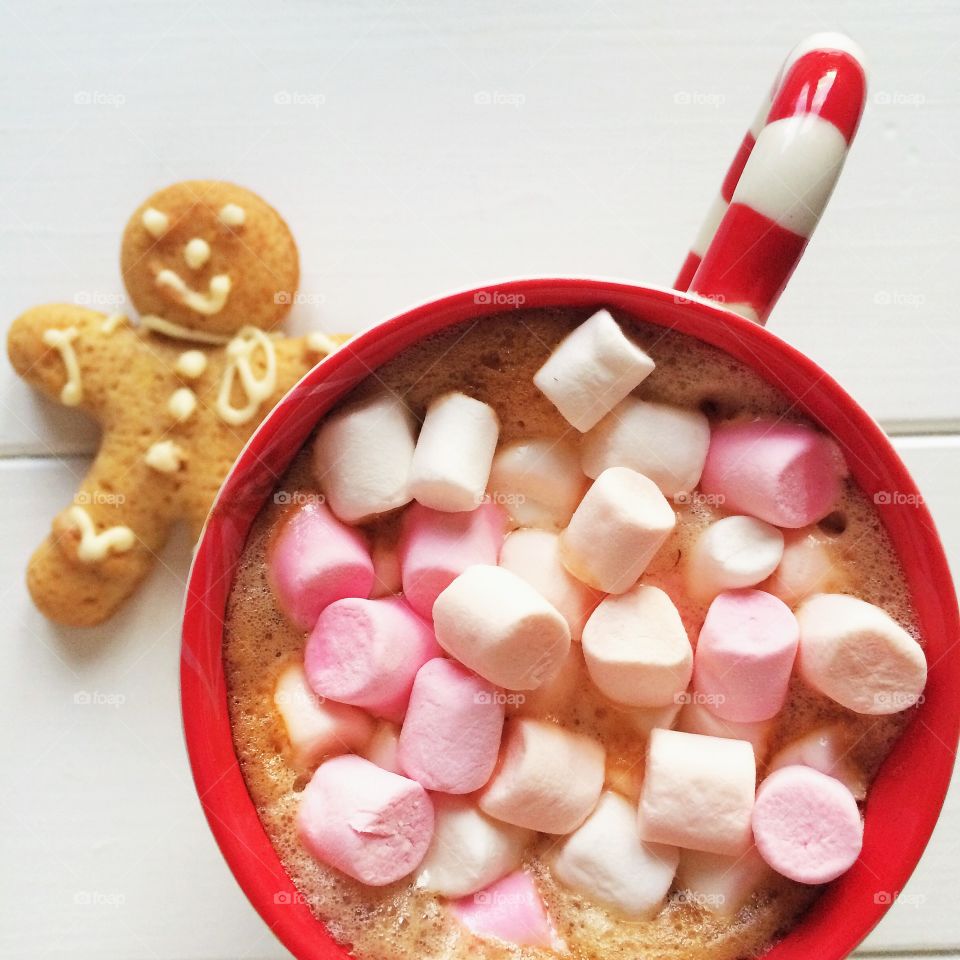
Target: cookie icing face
{"points": [[211, 257]]}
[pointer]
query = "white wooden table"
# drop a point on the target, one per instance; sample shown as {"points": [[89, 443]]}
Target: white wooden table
{"points": [[413, 149]]}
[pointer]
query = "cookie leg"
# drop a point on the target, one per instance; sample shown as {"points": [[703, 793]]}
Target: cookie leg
{"points": [[99, 550]]}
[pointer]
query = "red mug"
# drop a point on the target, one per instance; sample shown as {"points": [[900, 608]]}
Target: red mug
{"points": [[907, 794]]}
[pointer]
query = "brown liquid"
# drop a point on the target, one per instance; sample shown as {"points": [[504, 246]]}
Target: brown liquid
{"points": [[494, 360]]}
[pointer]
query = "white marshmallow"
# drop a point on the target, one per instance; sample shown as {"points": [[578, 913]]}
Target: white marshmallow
{"points": [[382, 747], [469, 850], [592, 370], [637, 650], [549, 778], [825, 749], [501, 628], [698, 792], [538, 482], [732, 553], [856, 654], [362, 456], [534, 555], [317, 728], [720, 884], [696, 717], [606, 861], [619, 526], [808, 566], [451, 463], [665, 443]]}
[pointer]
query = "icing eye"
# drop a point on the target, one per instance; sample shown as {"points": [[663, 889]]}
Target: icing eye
{"points": [[232, 215], [155, 222], [196, 253]]}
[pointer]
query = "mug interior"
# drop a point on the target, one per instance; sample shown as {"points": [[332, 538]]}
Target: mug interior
{"points": [[906, 796]]}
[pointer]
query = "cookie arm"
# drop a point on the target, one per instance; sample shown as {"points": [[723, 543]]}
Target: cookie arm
{"points": [[62, 349]]}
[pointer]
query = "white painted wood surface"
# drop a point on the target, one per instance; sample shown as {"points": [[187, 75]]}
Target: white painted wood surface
{"points": [[414, 148]]}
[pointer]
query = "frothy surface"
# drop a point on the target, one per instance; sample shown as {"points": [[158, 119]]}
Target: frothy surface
{"points": [[494, 360]]}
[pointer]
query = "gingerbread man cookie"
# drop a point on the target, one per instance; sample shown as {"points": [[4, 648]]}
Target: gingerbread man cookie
{"points": [[212, 270]]}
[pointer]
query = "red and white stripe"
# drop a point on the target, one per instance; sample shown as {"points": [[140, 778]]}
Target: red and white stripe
{"points": [[780, 180]]}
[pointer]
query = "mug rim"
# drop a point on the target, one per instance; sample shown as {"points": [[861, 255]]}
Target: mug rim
{"points": [[914, 776]]}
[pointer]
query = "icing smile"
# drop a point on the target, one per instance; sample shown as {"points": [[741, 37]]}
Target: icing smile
{"points": [[205, 303]]}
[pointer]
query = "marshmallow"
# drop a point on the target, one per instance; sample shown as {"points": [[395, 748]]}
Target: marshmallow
{"points": [[731, 553], [534, 555], [451, 733], [386, 568], [785, 473], [720, 884], [557, 691], [665, 443], [613, 535], [606, 861], [362, 456], [549, 778], [745, 655], [636, 648], [437, 547], [643, 719], [316, 729], [856, 654], [372, 825], [367, 653], [501, 628], [511, 910], [807, 825], [808, 566], [539, 481], [314, 560], [381, 748], [696, 717], [698, 792], [592, 370], [451, 463], [825, 749], [469, 850]]}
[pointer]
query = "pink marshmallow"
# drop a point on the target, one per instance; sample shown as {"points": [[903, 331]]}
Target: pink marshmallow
{"points": [[367, 653], [372, 825], [785, 473], [745, 655], [807, 825], [314, 560], [451, 734], [511, 910], [435, 548]]}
